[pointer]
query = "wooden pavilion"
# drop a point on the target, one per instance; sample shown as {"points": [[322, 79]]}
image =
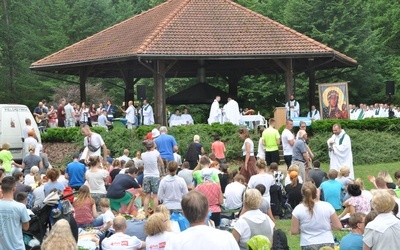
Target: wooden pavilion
{"points": [[189, 38]]}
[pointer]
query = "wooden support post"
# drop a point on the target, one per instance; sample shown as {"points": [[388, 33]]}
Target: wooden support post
{"points": [[159, 92], [83, 75], [311, 87], [127, 76], [289, 80]]}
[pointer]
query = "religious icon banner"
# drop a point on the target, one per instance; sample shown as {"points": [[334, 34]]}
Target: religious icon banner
{"points": [[333, 100]]}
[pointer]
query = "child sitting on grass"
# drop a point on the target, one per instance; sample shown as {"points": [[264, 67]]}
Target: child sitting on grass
{"points": [[106, 230]]}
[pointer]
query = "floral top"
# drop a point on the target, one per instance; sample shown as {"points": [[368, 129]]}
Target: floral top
{"points": [[360, 203]]}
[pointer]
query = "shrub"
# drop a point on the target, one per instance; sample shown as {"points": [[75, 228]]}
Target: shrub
{"points": [[377, 124]]}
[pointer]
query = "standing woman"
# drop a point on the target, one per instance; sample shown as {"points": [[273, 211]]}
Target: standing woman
{"points": [[314, 220], [52, 117], [194, 152], [84, 114], [97, 179], [249, 167], [93, 114]]}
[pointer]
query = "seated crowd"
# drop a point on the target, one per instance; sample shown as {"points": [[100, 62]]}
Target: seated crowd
{"points": [[149, 203]]}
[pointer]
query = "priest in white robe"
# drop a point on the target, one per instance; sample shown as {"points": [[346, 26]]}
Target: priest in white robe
{"points": [[215, 111], [232, 112], [292, 108], [147, 114], [340, 153], [314, 114], [175, 119], [186, 117]]}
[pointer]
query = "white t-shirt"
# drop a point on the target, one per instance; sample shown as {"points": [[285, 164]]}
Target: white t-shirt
{"points": [[29, 179], [233, 195], [63, 180], [121, 241], [286, 137], [251, 147], [261, 149], [108, 216], [158, 241], [150, 162], [130, 114], [96, 181], [266, 179], [25, 130], [255, 216], [202, 237], [96, 141], [315, 229]]}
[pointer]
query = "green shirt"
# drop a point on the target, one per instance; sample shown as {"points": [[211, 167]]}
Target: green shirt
{"points": [[199, 179], [269, 136], [6, 157]]}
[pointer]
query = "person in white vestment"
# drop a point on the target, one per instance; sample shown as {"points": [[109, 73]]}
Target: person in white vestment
{"points": [[175, 119], [215, 111], [340, 153], [292, 108], [186, 117], [314, 114], [232, 112], [147, 114]]}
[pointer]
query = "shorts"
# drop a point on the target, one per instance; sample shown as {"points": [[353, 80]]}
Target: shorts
{"points": [[150, 184], [115, 204]]}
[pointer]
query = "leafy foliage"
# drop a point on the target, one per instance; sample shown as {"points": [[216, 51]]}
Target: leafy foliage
{"points": [[372, 124]]}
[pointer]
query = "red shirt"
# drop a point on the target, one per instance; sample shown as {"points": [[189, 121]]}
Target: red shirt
{"points": [[218, 148], [212, 192], [83, 213]]}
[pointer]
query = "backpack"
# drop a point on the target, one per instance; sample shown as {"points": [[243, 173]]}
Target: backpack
{"points": [[280, 240], [287, 211]]}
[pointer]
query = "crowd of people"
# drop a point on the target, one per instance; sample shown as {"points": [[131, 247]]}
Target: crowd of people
{"points": [[70, 114], [174, 203]]}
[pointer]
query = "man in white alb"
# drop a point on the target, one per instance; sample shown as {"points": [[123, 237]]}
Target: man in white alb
{"points": [[292, 108], [175, 119], [147, 114], [215, 111], [340, 153], [232, 113], [314, 115], [130, 115], [186, 117]]}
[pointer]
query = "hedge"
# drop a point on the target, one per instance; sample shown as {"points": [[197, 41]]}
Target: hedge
{"points": [[375, 124]]}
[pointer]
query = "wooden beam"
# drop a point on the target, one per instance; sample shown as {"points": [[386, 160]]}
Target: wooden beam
{"points": [[159, 92], [128, 77], [289, 80], [311, 85], [83, 75]]}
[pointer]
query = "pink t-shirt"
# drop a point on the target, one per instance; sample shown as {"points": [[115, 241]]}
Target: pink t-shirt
{"points": [[212, 192], [218, 149], [83, 213]]}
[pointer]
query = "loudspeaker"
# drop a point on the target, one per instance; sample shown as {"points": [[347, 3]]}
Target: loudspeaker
{"points": [[389, 87], [141, 92]]}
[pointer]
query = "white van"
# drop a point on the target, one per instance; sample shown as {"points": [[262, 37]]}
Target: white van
{"points": [[12, 121]]}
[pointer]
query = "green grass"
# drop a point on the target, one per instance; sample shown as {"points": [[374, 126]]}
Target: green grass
{"points": [[360, 171]]}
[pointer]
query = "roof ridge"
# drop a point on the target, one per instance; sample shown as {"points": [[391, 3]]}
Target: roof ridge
{"points": [[147, 42], [319, 44]]}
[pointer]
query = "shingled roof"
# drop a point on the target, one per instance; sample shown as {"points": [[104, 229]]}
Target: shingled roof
{"points": [[192, 29]]}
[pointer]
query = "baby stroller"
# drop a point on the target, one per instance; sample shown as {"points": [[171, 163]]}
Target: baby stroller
{"points": [[56, 207]]}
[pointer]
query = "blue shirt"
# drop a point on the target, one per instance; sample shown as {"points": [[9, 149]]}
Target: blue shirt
{"points": [[165, 145], [332, 192], [12, 215], [52, 185], [352, 241], [76, 174]]}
